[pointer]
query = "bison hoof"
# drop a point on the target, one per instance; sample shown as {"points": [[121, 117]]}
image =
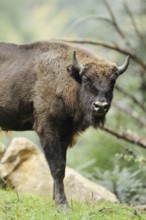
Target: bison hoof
{"points": [[64, 207]]}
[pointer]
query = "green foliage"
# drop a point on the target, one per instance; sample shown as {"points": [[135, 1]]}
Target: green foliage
{"points": [[19, 206], [93, 145], [128, 185], [126, 179]]}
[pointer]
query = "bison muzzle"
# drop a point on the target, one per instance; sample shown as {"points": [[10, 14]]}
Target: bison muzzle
{"points": [[57, 90]]}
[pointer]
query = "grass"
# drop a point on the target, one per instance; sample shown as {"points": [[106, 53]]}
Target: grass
{"points": [[20, 206]]}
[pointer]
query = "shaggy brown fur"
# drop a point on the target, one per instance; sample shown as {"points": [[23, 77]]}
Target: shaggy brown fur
{"points": [[40, 89]]}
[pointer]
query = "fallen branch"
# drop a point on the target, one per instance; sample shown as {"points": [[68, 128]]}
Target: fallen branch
{"points": [[127, 136]]}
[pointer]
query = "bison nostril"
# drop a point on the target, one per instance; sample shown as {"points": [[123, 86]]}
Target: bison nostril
{"points": [[105, 106], [96, 105], [100, 106]]}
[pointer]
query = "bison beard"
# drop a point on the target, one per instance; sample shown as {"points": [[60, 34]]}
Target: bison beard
{"points": [[44, 87]]}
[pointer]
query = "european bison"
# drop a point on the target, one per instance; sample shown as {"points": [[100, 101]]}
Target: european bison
{"points": [[58, 90]]}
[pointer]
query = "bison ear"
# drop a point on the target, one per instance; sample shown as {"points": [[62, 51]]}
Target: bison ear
{"points": [[74, 73], [75, 68]]}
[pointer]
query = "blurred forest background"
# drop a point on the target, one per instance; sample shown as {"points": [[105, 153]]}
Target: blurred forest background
{"points": [[113, 29]]}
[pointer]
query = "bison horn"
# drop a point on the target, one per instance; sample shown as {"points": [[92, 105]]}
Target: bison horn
{"points": [[76, 65], [122, 68]]}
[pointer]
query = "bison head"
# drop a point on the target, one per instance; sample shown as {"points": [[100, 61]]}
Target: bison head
{"points": [[97, 78]]}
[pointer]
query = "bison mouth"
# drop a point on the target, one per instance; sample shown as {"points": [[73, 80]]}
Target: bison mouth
{"points": [[98, 116], [99, 112]]}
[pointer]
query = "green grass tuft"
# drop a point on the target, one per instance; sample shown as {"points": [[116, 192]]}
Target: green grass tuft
{"points": [[20, 206]]}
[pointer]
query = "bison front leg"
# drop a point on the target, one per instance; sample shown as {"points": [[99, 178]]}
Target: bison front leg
{"points": [[56, 158]]}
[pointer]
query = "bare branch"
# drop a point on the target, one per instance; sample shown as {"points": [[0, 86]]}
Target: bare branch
{"points": [[109, 10], [80, 21], [96, 17], [111, 21], [139, 34], [133, 56], [115, 24], [131, 113], [127, 136], [133, 98]]}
